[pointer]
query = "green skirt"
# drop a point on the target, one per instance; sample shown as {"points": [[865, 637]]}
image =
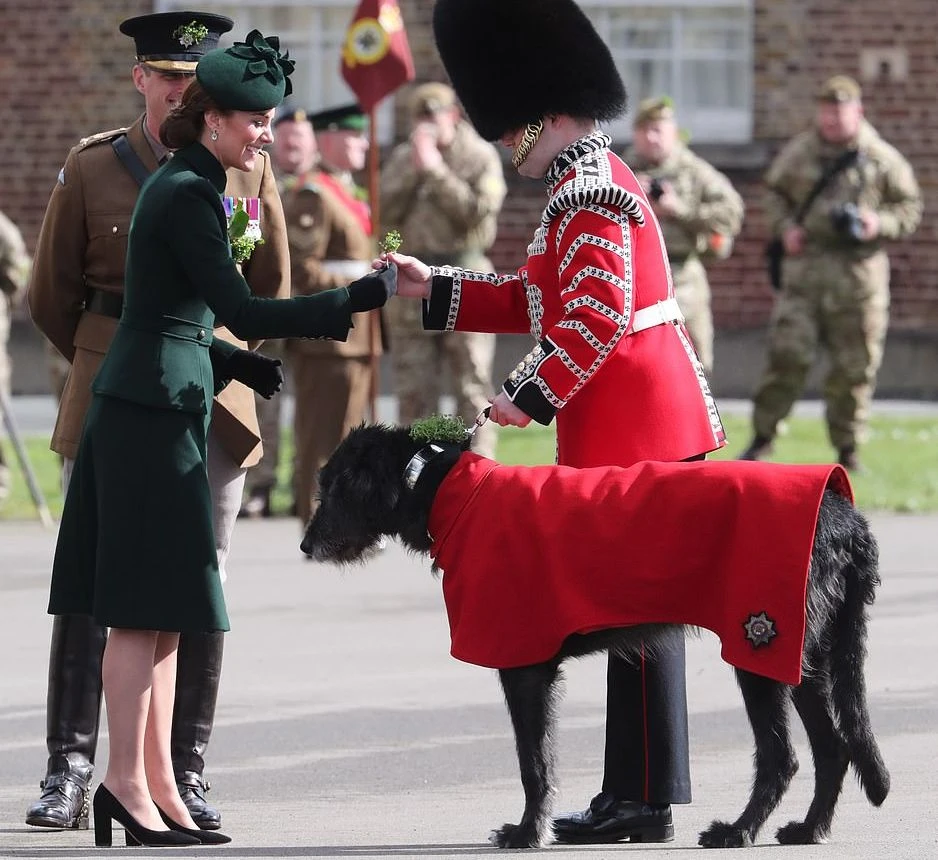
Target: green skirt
{"points": [[136, 545]]}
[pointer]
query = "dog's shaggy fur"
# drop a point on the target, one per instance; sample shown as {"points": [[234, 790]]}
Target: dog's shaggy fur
{"points": [[363, 497]]}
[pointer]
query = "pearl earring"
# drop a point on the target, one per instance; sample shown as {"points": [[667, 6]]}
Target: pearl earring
{"points": [[214, 134]]}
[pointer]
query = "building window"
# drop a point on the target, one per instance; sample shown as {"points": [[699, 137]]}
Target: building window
{"points": [[313, 33], [697, 51]]}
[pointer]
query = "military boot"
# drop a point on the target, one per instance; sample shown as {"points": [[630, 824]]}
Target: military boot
{"points": [[73, 708], [758, 449], [198, 671], [256, 505], [847, 457]]}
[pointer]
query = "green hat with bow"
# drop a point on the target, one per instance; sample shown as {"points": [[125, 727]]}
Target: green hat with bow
{"points": [[250, 76]]}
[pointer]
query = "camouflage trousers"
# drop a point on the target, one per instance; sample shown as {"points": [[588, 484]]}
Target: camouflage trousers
{"points": [[692, 291], [5, 374], [839, 304], [422, 360]]}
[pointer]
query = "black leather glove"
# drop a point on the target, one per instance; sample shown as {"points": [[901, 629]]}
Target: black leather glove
{"points": [[373, 290], [263, 374]]}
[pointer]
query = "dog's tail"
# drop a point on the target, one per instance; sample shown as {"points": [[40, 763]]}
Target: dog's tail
{"points": [[848, 654]]}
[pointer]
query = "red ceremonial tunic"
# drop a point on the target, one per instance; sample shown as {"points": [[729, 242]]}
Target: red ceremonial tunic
{"points": [[619, 395], [720, 545]]}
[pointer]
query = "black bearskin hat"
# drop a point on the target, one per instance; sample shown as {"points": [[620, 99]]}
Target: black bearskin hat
{"points": [[512, 62]]}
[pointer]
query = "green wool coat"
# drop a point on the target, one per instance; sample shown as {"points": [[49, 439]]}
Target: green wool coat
{"points": [[136, 545]]}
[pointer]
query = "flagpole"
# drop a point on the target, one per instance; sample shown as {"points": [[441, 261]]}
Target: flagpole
{"points": [[374, 200]]}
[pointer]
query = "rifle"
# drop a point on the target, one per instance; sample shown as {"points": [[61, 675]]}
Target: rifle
{"points": [[6, 410]]}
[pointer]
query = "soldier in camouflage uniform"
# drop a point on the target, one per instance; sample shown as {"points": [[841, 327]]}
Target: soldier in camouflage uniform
{"points": [[14, 271], [835, 274], [699, 211], [442, 190]]}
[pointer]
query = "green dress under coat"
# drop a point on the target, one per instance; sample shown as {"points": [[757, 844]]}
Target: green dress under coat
{"points": [[136, 545]]}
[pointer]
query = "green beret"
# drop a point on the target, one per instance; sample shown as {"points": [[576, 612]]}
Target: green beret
{"points": [[840, 88], [344, 118], [651, 110], [250, 76]]}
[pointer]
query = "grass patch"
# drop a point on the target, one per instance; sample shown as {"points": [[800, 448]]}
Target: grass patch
{"points": [[900, 461]]}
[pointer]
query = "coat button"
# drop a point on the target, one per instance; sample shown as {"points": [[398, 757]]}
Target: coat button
{"points": [[114, 229], [201, 334]]}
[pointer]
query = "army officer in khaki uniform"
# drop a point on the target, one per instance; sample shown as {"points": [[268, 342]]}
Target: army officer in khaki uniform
{"points": [[699, 211], [330, 245], [75, 297]]}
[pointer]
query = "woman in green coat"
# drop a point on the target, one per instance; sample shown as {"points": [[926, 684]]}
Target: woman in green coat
{"points": [[136, 548]]}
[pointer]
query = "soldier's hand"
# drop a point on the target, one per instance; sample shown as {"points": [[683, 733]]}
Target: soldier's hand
{"points": [[413, 276], [505, 413], [870, 221], [426, 153], [668, 205], [793, 240]]}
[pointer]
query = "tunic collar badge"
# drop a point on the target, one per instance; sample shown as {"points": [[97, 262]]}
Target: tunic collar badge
{"points": [[760, 629]]}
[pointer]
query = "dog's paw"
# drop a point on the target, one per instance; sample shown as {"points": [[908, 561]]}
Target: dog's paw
{"points": [[514, 836], [798, 833], [720, 834]]}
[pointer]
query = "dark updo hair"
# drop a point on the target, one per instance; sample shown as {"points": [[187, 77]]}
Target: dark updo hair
{"points": [[184, 125]]}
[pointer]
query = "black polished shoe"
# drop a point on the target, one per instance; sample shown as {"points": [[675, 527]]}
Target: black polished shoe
{"points": [[63, 803], [611, 820], [192, 790]]}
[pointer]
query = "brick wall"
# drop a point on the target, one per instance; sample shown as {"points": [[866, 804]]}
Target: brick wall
{"points": [[65, 72]]}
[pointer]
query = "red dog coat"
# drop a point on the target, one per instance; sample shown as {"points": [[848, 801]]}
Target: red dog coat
{"points": [[531, 555]]}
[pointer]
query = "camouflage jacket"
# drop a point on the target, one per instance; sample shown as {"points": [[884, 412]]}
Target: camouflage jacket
{"points": [[880, 180], [14, 259], [448, 210], [711, 211]]}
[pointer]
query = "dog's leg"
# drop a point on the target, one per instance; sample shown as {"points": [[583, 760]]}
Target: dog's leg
{"points": [[848, 656], [775, 762], [813, 702], [530, 693]]}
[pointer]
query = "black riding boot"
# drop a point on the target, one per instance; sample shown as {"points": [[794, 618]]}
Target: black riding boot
{"points": [[73, 709], [198, 671]]}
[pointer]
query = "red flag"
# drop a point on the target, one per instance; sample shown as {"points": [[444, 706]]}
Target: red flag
{"points": [[376, 57]]}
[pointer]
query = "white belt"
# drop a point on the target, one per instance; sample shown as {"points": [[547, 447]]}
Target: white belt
{"points": [[656, 314], [350, 269]]}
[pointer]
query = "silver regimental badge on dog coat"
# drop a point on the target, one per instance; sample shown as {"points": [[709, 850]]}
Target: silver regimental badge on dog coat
{"points": [[760, 629]]}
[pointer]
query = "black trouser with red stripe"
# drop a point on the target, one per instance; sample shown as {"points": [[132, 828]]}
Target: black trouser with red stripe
{"points": [[647, 757]]}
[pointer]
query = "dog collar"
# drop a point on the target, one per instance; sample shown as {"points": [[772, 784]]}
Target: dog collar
{"points": [[416, 463]]}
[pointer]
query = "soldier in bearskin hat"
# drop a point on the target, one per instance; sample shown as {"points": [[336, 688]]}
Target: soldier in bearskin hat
{"points": [[612, 362]]}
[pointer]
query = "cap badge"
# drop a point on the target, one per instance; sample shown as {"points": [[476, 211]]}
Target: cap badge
{"points": [[190, 34], [760, 629]]}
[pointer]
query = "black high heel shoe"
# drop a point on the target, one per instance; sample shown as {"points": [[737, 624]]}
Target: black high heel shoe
{"points": [[107, 807], [206, 837]]}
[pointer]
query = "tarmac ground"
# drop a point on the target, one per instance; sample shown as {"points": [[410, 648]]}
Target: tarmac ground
{"points": [[345, 729]]}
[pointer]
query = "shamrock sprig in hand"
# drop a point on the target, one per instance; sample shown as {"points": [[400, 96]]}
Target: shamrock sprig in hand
{"points": [[242, 242], [391, 242]]}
